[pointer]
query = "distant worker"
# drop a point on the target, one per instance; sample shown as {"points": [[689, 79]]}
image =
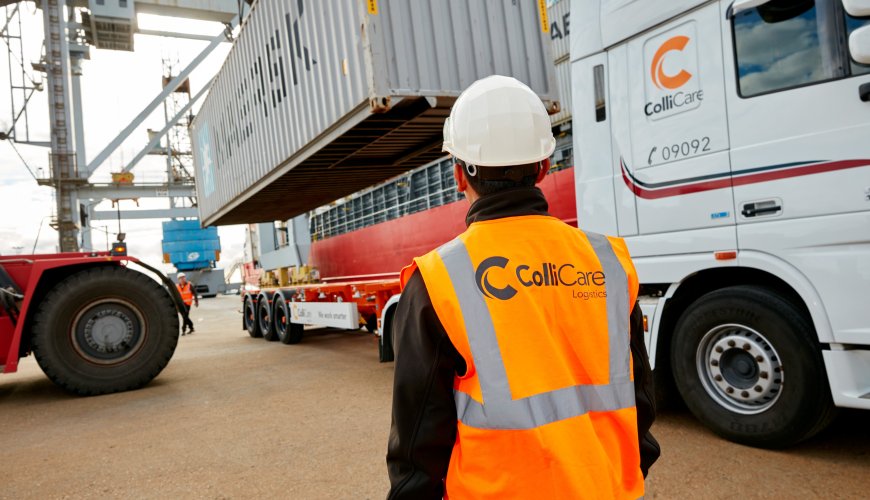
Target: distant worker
{"points": [[188, 296], [521, 370]]}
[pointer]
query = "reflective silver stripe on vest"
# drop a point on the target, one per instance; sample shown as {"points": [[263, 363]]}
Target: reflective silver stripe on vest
{"points": [[617, 307], [500, 410]]}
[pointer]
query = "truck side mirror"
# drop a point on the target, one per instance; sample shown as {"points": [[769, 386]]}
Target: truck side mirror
{"points": [[743, 5], [857, 8], [859, 45]]}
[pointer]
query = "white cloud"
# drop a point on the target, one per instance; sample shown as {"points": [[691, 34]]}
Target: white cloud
{"points": [[759, 43], [778, 55]]}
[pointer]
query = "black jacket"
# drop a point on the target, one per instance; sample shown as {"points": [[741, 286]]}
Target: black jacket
{"points": [[424, 414]]}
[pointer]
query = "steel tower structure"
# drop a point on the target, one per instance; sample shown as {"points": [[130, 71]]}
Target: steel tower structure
{"points": [[70, 29], [179, 147]]}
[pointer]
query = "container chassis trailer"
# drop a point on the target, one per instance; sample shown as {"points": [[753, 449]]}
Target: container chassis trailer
{"points": [[282, 313]]}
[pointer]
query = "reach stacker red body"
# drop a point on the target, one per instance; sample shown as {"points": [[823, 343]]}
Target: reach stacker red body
{"points": [[94, 324]]}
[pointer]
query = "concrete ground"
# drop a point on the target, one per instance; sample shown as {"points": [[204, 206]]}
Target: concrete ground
{"points": [[236, 417]]}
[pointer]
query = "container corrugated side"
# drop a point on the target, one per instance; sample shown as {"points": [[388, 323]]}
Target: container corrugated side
{"points": [[320, 99], [438, 48], [559, 15], [270, 98]]}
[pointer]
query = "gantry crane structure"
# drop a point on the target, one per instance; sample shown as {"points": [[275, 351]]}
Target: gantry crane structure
{"points": [[71, 28]]}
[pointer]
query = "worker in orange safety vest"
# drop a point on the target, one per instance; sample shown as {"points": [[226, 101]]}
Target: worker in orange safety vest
{"points": [[520, 365], [188, 296]]}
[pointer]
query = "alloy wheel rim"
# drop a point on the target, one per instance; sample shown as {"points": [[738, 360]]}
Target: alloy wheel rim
{"points": [[739, 368], [108, 331]]}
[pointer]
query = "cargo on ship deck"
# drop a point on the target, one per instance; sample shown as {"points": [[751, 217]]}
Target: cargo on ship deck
{"points": [[318, 100]]}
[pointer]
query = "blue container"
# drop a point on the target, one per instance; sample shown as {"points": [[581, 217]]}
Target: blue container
{"points": [[189, 247]]}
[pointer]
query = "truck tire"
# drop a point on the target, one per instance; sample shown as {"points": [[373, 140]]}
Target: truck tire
{"points": [[385, 340], [105, 329], [372, 323], [264, 317], [748, 366], [288, 333], [250, 317]]}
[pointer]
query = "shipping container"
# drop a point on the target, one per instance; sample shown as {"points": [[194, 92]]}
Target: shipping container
{"points": [[189, 247], [318, 100], [563, 81], [559, 14], [194, 251]]}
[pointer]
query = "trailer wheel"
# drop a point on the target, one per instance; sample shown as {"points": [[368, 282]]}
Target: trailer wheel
{"points": [[372, 323], [747, 364], [288, 333], [264, 317], [385, 340], [250, 317], [105, 329]]}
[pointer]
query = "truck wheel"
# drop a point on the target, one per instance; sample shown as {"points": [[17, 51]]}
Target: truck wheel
{"points": [[748, 366], [372, 323], [385, 340], [264, 316], [288, 333], [251, 323], [105, 329]]}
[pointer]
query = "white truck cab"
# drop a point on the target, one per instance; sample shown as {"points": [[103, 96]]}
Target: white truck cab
{"points": [[729, 143]]}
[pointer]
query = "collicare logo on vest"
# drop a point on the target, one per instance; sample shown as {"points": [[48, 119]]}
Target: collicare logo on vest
{"points": [[481, 276], [544, 274]]}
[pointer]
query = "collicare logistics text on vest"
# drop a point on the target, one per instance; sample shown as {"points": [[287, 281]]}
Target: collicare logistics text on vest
{"points": [[566, 275], [588, 295]]}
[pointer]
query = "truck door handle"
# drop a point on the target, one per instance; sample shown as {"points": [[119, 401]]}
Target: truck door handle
{"points": [[769, 207], [864, 92]]}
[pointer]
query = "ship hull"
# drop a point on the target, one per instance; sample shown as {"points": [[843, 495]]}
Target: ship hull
{"points": [[382, 250]]}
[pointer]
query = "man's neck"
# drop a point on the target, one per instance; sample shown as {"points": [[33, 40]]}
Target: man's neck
{"points": [[508, 203]]}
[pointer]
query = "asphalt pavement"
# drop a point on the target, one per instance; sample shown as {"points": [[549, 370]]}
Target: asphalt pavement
{"points": [[237, 417]]}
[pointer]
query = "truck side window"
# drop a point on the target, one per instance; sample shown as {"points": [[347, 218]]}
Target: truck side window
{"points": [[600, 104], [853, 23], [785, 44]]}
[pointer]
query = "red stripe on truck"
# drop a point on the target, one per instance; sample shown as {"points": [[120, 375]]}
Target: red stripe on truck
{"points": [[729, 180]]}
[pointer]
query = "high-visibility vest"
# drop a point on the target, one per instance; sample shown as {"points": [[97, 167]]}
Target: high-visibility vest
{"points": [[186, 293], [539, 311]]}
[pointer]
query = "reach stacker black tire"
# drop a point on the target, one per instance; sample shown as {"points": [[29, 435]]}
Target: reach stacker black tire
{"points": [[105, 329], [250, 317], [747, 364], [288, 333]]}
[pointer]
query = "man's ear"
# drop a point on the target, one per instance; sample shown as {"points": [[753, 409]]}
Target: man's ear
{"points": [[459, 176], [545, 167]]}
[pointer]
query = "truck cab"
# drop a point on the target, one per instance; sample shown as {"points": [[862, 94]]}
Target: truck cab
{"points": [[728, 142]]}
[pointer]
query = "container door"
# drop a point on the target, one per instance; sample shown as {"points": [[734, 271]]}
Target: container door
{"points": [[800, 134], [673, 157]]}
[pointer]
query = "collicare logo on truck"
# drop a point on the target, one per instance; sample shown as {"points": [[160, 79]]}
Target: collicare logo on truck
{"points": [[657, 72], [673, 85]]}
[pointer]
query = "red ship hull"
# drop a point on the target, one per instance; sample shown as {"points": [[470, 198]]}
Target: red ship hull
{"points": [[382, 250]]}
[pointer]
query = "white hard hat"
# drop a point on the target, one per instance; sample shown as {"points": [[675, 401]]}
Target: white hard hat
{"points": [[182, 275], [498, 121]]}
